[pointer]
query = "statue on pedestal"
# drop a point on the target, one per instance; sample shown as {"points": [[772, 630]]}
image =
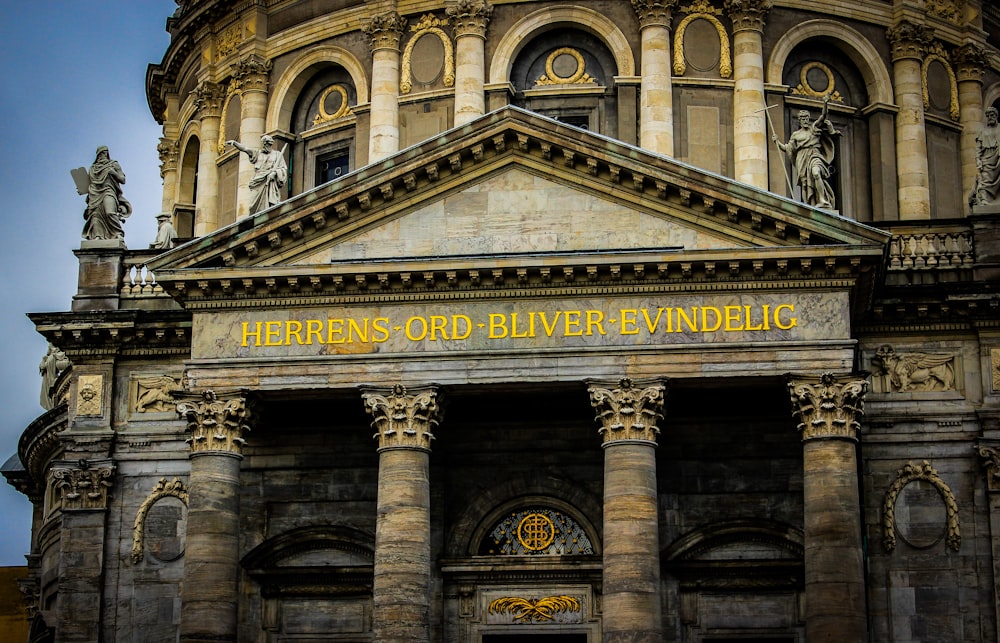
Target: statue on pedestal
{"points": [[987, 189], [811, 148], [270, 173], [106, 208]]}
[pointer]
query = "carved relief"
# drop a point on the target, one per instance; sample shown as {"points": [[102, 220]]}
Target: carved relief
{"points": [[702, 10], [748, 15], [428, 26], [628, 412], [995, 369], [156, 394], [894, 372], [208, 98], [565, 66], [169, 152], [950, 10], [343, 109], [937, 53], [991, 461], [806, 88], [828, 409], [229, 39], [216, 425], [89, 395], [163, 489], [911, 472], [654, 12], [403, 421], [909, 39], [535, 610], [84, 486]]}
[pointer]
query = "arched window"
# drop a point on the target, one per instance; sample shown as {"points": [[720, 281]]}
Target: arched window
{"points": [[536, 531]]}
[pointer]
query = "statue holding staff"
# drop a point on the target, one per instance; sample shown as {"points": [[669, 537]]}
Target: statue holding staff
{"points": [[987, 190], [269, 176], [811, 148]]}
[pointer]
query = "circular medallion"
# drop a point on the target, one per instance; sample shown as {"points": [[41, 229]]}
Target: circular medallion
{"points": [[536, 532]]}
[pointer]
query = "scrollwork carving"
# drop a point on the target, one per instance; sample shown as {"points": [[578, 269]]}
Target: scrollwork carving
{"points": [[991, 462], [909, 473], [163, 489], [828, 409], [629, 412], [401, 420], [216, 425]]}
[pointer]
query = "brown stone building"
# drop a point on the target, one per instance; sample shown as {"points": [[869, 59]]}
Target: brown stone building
{"points": [[543, 341]]}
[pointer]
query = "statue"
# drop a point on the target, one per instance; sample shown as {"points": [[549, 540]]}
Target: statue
{"points": [[106, 207], [270, 173], [987, 189], [811, 150], [54, 363], [166, 235]]}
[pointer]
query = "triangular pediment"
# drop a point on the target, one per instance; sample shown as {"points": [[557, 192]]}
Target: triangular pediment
{"points": [[515, 183]]}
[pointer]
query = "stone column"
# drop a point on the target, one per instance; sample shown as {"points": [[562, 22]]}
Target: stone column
{"points": [[82, 489], [403, 423], [210, 590], [909, 45], [989, 451], [750, 133], [628, 415], [208, 101], [970, 62], [251, 77], [169, 151], [827, 414], [385, 31], [656, 98], [470, 18]]}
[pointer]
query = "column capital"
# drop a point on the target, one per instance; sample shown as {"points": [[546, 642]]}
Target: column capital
{"points": [[403, 420], [826, 408], [990, 454], [909, 40], [83, 485], [216, 425], [971, 61], [384, 30], [169, 152], [470, 17], [630, 411], [748, 15], [654, 13], [251, 73], [208, 99]]}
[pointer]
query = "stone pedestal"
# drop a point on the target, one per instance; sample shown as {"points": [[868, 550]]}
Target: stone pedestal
{"points": [[100, 278], [628, 416]]}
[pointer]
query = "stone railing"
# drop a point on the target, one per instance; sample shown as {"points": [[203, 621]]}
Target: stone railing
{"points": [[931, 247], [138, 280]]}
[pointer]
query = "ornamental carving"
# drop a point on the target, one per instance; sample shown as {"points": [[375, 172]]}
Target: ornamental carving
{"points": [[384, 30], [84, 486], [534, 610], [654, 12], [216, 425], [31, 595], [169, 152], [970, 61], [470, 17], [156, 394], [991, 462], [163, 489], [748, 15], [251, 73], [950, 10], [894, 372], [702, 10], [909, 39], [229, 40], [208, 99], [565, 66], [828, 409], [343, 109], [806, 88], [937, 53], [995, 369], [402, 420], [629, 412], [911, 472], [89, 395], [430, 27], [536, 531]]}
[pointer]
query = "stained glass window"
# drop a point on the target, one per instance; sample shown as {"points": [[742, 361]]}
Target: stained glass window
{"points": [[536, 531]]}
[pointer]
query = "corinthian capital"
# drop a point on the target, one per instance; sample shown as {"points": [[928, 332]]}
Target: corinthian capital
{"points": [[629, 412], [83, 485], [827, 409], [748, 15], [216, 425], [169, 151], [251, 73], [909, 39], [385, 30], [470, 17], [970, 61], [402, 420], [990, 455], [208, 99], [654, 12]]}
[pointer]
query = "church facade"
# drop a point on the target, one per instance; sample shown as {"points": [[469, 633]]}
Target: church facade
{"points": [[548, 336]]}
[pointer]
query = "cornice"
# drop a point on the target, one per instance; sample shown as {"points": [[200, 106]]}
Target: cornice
{"points": [[107, 334]]}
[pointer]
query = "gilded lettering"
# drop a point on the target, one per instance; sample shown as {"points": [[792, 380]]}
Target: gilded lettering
{"points": [[572, 320], [529, 332], [498, 326], [748, 325], [652, 324], [314, 330], [353, 329], [272, 333], [255, 334], [691, 323], [628, 320], [549, 329], [716, 325], [293, 328], [595, 319], [792, 321], [466, 332], [335, 331], [380, 328], [414, 337]]}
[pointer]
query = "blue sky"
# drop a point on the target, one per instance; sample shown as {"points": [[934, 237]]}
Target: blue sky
{"points": [[73, 79]]}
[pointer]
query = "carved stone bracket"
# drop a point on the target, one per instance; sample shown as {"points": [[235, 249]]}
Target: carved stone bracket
{"points": [[470, 17], [216, 425], [402, 420], [384, 30], [828, 409], [748, 15], [208, 98], [654, 12], [629, 412], [906, 475], [909, 40], [991, 462], [162, 489], [83, 487]]}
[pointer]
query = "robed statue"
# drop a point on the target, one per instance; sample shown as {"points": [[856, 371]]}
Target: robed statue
{"points": [[811, 149], [987, 189], [106, 208], [54, 363], [269, 173]]}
